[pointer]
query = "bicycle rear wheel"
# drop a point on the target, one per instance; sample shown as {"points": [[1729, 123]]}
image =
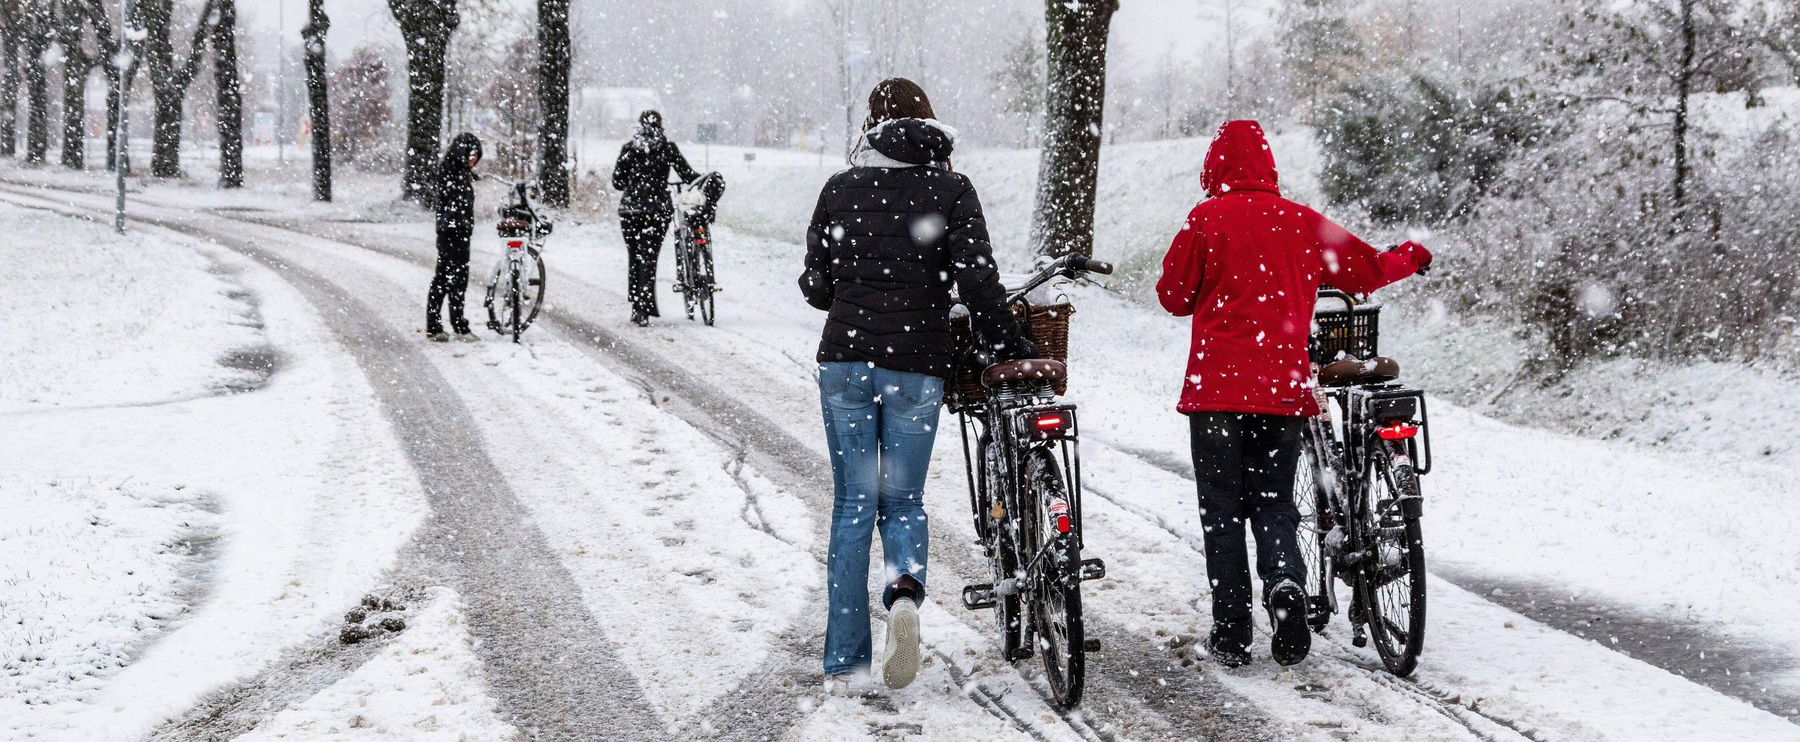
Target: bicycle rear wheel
{"points": [[685, 278], [1056, 592], [1003, 559], [1391, 586]]}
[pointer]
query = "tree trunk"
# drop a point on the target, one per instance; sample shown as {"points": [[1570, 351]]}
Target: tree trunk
{"points": [[1069, 167], [37, 82], [9, 83], [230, 95], [109, 49], [553, 98], [426, 26], [318, 97], [169, 79], [72, 21], [1684, 79]]}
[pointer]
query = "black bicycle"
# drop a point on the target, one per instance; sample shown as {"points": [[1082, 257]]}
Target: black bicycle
{"points": [[1024, 468], [694, 278], [1357, 487], [515, 290]]}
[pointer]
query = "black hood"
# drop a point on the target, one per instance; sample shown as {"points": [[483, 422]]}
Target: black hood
{"points": [[457, 154], [913, 141]]}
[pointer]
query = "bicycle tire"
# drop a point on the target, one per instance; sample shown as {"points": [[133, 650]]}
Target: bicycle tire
{"points": [[1009, 620], [1056, 609], [1314, 505], [1390, 592], [513, 309], [708, 308], [492, 300], [535, 298], [685, 251]]}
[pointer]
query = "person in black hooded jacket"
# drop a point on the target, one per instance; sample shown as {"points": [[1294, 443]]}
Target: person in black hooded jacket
{"points": [[889, 237], [645, 208], [455, 225]]}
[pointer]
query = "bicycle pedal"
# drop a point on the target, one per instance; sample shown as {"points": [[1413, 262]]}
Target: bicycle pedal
{"points": [[1091, 645], [533, 282], [1018, 654], [977, 597], [1093, 569]]}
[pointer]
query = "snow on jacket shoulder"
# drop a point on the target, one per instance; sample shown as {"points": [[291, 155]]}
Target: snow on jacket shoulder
{"points": [[1247, 267]]}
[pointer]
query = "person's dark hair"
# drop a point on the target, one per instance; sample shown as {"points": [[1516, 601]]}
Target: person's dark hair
{"points": [[651, 118], [897, 98]]}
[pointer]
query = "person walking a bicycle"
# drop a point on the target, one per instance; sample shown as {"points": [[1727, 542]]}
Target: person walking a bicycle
{"points": [[888, 238], [645, 208], [455, 226], [1247, 267]]}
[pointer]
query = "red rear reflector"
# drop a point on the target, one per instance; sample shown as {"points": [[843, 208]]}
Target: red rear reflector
{"points": [[1062, 524], [1398, 431], [515, 243], [1049, 420]]}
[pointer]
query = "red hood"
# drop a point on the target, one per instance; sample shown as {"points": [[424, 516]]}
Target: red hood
{"points": [[1239, 160]]}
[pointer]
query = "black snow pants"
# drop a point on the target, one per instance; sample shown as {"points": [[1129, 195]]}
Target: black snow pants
{"points": [[644, 233], [451, 281], [1244, 469]]}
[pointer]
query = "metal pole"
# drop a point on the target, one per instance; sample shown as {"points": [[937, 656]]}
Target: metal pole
{"points": [[121, 61]]}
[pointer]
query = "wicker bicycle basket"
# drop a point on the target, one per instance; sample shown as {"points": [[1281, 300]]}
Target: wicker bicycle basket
{"points": [[1048, 325], [1354, 333]]}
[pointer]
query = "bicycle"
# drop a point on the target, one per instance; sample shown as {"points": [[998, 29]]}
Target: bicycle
{"points": [[515, 290], [694, 278], [1025, 488], [1357, 487]]}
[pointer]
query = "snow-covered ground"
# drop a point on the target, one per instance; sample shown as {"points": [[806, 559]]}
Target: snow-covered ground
{"points": [[699, 565]]}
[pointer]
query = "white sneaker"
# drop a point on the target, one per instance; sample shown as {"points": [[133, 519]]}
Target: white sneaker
{"points": [[900, 657]]}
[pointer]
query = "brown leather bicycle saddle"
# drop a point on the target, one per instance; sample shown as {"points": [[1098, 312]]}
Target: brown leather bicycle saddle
{"points": [[1347, 371], [1037, 369]]}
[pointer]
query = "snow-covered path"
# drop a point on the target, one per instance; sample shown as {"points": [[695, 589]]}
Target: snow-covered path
{"points": [[647, 494]]}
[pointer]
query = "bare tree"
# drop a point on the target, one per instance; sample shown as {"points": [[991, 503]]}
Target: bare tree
{"points": [[318, 96], [426, 26], [11, 29], [72, 22], [229, 94], [1075, 97], [170, 75], [553, 99], [108, 39]]}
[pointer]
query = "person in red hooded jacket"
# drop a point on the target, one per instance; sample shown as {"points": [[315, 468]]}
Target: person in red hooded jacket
{"points": [[1247, 267]]}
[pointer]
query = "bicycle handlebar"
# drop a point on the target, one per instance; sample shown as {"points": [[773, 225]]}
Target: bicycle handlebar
{"points": [[1069, 266]]}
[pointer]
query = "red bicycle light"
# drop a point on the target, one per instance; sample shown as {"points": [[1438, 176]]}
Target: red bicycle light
{"points": [[1398, 431], [1050, 420], [1059, 514], [515, 243]]}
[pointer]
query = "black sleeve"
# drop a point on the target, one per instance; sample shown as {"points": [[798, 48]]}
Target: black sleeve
{"points": [[815, 282], [622, 168], [978, 279], [680, 164]]}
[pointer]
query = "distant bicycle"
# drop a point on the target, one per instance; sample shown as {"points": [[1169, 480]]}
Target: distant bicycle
{"points": [[515, 291], [1357, 487], [695, 206]]}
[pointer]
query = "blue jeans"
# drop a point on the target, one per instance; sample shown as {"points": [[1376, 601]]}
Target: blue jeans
{"points": [[880, 425]]}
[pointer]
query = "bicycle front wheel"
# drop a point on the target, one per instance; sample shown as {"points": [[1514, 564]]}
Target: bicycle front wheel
{"points": [[1056, 593], [1391, 586]]}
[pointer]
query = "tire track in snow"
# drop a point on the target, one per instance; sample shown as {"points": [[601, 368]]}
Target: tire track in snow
{"points": [[549, 664]]}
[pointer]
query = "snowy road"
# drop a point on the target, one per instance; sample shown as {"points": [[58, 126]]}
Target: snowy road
{"points": [[634, 521]]}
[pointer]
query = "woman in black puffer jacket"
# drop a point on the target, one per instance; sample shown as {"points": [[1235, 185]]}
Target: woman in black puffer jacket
{"points": [[889, 238], [455, 226]]}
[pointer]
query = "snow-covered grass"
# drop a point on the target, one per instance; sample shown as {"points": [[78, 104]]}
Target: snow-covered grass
{"points": [[95, 570], [93, 318], [425, 686]]}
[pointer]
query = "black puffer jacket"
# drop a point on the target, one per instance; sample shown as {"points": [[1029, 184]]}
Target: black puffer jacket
{"points": [[642, 172], [888, 238], [455, 185]]}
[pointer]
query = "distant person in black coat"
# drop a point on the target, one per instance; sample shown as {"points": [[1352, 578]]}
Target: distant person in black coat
{"points": [[455, 225], [645, 209]]}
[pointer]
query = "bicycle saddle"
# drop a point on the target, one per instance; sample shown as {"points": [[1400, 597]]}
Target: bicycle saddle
{"points": [[1347, 371], [1041, 369]]}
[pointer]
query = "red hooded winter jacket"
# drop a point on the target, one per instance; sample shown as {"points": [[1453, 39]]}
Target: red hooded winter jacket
{"points": [[1247, 267]]}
